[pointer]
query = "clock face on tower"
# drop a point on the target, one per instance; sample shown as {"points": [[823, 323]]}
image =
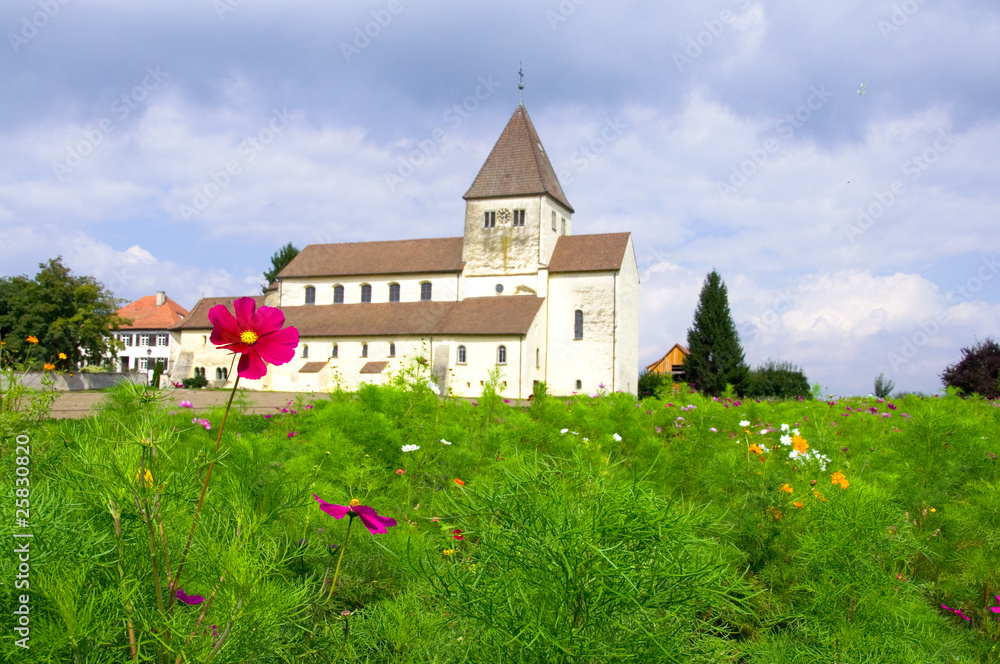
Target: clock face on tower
{"points": [[503, 216]]}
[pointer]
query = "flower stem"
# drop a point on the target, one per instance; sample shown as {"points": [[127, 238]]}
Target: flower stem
{"points": [[204, 487], [336, 572]]}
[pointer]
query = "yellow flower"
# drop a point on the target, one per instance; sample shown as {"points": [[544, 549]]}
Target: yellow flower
{"points": [[62, 356], [755, 449], [933, 510], [799, 444], [49, 367], [32, 339], [448, 552], [786, 488], [148, 477]]}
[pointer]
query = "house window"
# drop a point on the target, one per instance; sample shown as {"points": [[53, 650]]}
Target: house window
{"points": [[579, 384], [127, 340], [501, 355], [143, 363], [392, 349], [394, 292], [143, 339], [518, 218], [221, 373], [162, 339], [334, 351], [461, 355], [553, 220], [310, 295], [338, 294], [199, 371], [366, 293], [364, 350], [578, 324], [490, 219], [305, 350], [425, 291]]}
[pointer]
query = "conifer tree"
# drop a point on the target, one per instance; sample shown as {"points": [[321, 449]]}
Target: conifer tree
{"points": [[279, 260], [716, 354]]}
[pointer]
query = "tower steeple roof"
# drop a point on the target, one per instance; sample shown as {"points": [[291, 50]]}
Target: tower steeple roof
{"points": [[517, 166]]}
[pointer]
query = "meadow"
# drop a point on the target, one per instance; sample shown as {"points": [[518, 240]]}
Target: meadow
{"points": [[595, 528]]}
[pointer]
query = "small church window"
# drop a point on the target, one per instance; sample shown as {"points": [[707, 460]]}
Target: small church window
{"points": [[425, 291], [502, 355], [305, 350], [394, 292], [563, 225], [310, 295], [490, 219], [538, 358], [578, 324], [518, 218], [221, 373], [338, 294], [392, 349], [461, 354], [334, 351], [553, 220], [579, 384], [364, 350], [366, 292]]}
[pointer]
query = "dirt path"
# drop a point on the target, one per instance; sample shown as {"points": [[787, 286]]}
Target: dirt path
{"points": [[79, 404]]}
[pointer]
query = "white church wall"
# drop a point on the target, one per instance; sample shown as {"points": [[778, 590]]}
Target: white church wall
{"points": [[444, 288], [627, 332], [589, 360]]}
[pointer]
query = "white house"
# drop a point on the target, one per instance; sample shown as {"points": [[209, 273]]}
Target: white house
{"points": [[517, 291], [147, 339]]}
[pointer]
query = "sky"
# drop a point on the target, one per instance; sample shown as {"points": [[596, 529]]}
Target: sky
{"points": [[835, 162]]}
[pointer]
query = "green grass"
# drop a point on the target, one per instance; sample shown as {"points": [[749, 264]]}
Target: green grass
{"points": [[592, 530]]}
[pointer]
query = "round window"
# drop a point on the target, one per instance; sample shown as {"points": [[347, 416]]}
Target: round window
{"points": [[499, 288]]}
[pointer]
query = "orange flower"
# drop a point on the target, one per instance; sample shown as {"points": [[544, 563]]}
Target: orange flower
{"points": [[459, 482], [62, 356], [819, 495], [755, 449], [49, 367], [798, 504], [799, 444], [786, 488], [838, 478], [32, 339]]}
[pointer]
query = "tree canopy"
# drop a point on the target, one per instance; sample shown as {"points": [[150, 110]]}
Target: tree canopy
{"points": [[279, 260], [978, 372], [67, 314], [716, 354]]}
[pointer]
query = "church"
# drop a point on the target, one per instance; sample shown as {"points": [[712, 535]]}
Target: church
{"points": [[517, 293]]}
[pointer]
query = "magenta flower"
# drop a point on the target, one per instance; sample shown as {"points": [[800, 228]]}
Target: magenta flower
{"points": [[457, 534], [189, 599], [186, 404], [373, 522], [256, 334], [292, 434]]}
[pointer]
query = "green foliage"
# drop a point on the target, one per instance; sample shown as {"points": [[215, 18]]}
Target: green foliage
{"points": [[773, 379], [978, 372], [67, 314], [195, 382], [21, 407], [653, 384], [716, 354], [279, 260], [883, 386]]}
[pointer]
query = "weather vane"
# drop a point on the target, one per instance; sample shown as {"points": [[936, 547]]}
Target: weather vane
{"points": [[520, 85]]}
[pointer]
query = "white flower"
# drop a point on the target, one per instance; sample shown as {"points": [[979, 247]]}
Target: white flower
{"points": [[586, 440], [794, 454], [786, 439], [744, 423], [763, 431], [445, 442], [784, 427], [617, 437], [563, 430], [410, 448], [795, 432]]}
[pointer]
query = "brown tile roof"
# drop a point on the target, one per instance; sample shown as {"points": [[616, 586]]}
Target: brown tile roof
{"points": [[312, 367], [387, 257], [518, 165], [198, 318], [373, 367], [145, 315], [589, 253], [473, 316]]}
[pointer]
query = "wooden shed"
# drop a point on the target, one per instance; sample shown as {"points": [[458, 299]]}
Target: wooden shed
{"points": [[671, 363]]}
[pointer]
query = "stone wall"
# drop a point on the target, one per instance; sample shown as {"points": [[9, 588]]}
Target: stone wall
{"points": [[80, 381]]}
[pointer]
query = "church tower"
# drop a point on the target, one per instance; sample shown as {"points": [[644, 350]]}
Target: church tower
{"points": [[515, 210]]}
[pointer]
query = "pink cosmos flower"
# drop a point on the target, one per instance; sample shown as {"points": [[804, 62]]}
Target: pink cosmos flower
{"points": [[189, 599], [373, 522], [457, 534], [186, 404], [400, 471], [256, 334], [292, 434]]}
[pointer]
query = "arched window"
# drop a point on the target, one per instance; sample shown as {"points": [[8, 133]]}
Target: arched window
{"points": [[461, 354], [366, 292], [334, 351], [501, 355], [310, 295], [394, 292], [579, 384], [578, 324], [221, 373], [364, 350], [305, 350], [338, 294], [392, 349], [199, 371], [425, 291]]}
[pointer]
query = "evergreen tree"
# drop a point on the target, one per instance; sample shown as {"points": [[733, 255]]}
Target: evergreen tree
{"points": [[279, 260], [716, 355]]}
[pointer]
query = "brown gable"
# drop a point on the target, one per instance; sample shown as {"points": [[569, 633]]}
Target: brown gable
{"points": [[146, 315], [589, 253], [518, 165], [388, 257], [198, 318], [312, 367], [373, 367], [491, 315]]}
